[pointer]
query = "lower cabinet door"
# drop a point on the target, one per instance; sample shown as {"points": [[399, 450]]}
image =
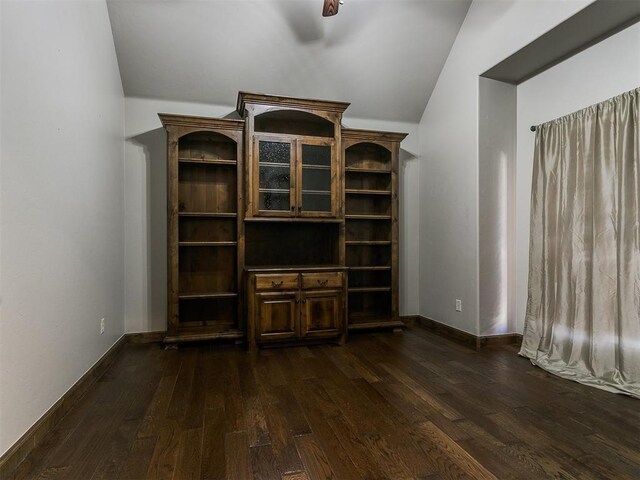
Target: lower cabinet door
{"points": [[322, 314], [277, 316]]}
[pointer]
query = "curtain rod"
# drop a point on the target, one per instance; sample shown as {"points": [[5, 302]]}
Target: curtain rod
{"points": [[532, 128]]}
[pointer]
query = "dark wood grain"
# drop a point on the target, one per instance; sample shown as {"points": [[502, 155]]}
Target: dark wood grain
{"points": [[205, 234], [409, 405]]}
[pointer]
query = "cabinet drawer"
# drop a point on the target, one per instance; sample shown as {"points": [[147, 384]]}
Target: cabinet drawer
{"points": [[277, 281], [322, 280]]}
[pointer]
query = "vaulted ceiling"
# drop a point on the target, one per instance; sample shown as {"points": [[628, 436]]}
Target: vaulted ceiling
{"points": [[383, 56]]}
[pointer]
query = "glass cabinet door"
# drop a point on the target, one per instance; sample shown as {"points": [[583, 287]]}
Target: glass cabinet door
{"points": [[274, 177], [317, 177]]}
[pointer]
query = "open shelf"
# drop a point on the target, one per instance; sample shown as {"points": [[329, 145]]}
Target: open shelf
{"points": [[291, 220], [367, 170], [370, 268], [204, 296], [368, 234], [368, 157], [207, 161], [206, 229], [207, 147], [207, 244], [217, 313], [368, 205], [367, 242], [369, 289], [291, 243], [207, 188], [367, 255], [367, 307], [373, 322], [367, 217], [360, 180], [356, 191], [206, 269], [367, 230], [208, 214], [294, 122], [369, 280]]}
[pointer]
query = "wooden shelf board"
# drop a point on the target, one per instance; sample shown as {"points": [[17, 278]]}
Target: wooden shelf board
{"points": [[198, 324], [207, 161], [370, 267], [208, 214], [369, 289], [293, 219], [366, 170], [207, 244], [368, 242], [358, 191], [368, 217], [369, 324], [296, 268], [195, 336], [205, 296]]}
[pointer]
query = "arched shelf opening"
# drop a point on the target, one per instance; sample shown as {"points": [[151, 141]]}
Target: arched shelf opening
{"points": [[294, 122], [207, 174], [205, 146], [367, 156]]}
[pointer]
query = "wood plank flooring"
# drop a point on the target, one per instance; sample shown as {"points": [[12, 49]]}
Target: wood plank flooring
{"points": [[385, 406]]}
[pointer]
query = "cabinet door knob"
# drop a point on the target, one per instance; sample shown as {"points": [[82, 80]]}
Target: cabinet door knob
{"points": [[304, 301], [276, 284], [323, 283]]}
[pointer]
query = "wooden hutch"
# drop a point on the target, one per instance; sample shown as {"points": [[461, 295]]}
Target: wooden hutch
{"points": [[282, 226]]}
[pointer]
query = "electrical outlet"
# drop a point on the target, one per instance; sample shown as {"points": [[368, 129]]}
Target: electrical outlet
{"points": [[101, 326], [458, 305]]}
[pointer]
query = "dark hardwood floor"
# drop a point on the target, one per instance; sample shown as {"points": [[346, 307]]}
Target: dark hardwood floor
{"points": [[396, 406]]}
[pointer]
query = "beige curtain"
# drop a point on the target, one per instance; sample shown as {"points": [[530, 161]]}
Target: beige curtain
{"points": [[583, 310]]}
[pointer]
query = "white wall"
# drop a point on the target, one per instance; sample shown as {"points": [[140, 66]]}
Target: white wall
{"points": [[605, 70], [145, 206], [449, 215], [146, 209], [62, 212], [496, 204]]}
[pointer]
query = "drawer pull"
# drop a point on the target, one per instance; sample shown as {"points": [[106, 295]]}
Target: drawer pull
{"points": [[277, 284], [323, 283]]}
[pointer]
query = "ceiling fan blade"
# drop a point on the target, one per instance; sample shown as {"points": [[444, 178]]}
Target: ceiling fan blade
{"points": [[330, 8]]}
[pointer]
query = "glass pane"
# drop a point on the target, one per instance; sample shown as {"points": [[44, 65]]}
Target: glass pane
{"points": [[275, 152], [314, 179], [316, 155], [274, 201], [275, 175], [316, 202]]}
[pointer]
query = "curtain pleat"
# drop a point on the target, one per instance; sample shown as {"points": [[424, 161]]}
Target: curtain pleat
{"points": [[583, 308]]}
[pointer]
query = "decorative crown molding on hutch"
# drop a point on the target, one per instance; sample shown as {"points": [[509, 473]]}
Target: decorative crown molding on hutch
{"points": [[282, 226]]}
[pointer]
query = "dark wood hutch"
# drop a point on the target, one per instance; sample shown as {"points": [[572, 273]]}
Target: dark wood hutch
{"points": [[282, 226]]}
